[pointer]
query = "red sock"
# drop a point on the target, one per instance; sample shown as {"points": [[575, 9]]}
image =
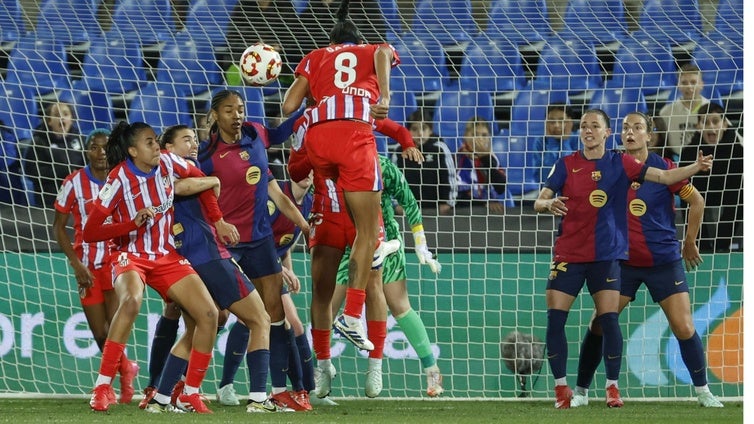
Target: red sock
{"points": [[377, 332], [125, 364], [111, 354], [321, 343], [197, 368], [355, 299]]}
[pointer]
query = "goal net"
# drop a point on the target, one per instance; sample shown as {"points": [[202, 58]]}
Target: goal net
{"points": [[502, 61]]}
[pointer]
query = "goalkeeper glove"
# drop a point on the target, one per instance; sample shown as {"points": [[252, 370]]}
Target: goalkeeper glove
{"points": [[422, 251]]}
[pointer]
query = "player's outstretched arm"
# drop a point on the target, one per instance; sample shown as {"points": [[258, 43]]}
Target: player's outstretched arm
{"points": [[671, 176]]}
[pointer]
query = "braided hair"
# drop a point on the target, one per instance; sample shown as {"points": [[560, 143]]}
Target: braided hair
{"points": [[218, 98]]}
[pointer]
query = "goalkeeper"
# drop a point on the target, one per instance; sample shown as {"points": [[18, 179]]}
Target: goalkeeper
{"points": [[394, 273]]}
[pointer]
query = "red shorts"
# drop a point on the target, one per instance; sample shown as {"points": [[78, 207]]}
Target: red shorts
{"points": [[335, 229], [345, 151], [103, 281], [159, 274]]}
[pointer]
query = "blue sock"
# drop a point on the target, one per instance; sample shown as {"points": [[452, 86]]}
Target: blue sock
{"points": [[692, 353], [175, 367], [295, 374], [258, 362], [235, 350], [164, 339], [279, 353], [307, 365], [557, 344], [590, 357], [612, 344]]}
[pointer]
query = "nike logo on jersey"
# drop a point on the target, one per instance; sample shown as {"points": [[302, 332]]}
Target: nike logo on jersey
{"points": [[222, 155], [575, 170], [678, 283], [610, 280]]}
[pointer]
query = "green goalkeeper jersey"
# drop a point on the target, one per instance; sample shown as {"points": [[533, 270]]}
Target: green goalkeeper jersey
{"points": [[396, 187]]}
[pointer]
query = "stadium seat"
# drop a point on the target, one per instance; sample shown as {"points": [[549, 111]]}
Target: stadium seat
{"points": [[159, 105], [113, 65], [518, 21], [300, 5], [392, 17], [11, 22], [567, 63], [39, 65], [596, 21], [93, 109], [147, 21], [529, 111], [729, 20], [677, 21], [188, 63], [71, 22], [455, 107], [208, 20], [721, 63], [402, 105], [492, 65], [15, 188], [449, 22], [644, 62], [18, 111], [254, 98], [617, 103], [519, 175], [422, 68]]}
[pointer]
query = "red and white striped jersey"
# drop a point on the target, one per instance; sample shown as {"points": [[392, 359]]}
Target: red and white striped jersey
{"points": [[128, 190], [342, 80], [76, 197]]}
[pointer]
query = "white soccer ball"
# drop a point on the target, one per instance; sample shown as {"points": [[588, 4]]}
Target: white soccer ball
{"points": [[260, 64]]}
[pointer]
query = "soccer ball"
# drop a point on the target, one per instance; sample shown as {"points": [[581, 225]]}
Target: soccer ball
{"points": [[260, 64]]}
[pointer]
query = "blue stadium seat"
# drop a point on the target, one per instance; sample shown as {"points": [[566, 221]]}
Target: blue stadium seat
{"points": [[254, 98], [512, 150], [188, 63], [596, 21], [617, 103], [494, 66], [113, 65], [677, 21], [529, 111], [644, 62], [70, 22], [300, 5], [568, 63], [208, 20], [93, 109], [148, 21], [159, 105], [422, 68], [721, 63], [449, 22], [39, 65], [729, 20], [11, 21], [18, 111], [15, 187], [402, 105], [455, 107], [392, 17], [519, 21]]}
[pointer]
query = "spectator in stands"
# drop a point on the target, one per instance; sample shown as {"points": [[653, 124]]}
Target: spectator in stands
{"points": [[56, 151], [680, 115], [722, 187], [432, 182], [480, 178], [559, 140], [658, 141]]}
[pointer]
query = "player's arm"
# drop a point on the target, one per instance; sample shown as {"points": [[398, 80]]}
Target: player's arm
{"points": [[282, 132], [84, 277], [289, 277], [547, 202], [286, 205], [690, 251], [194, 185], [403, 136], [96, 229], [672, 176], [383, 62], [295, 95]]}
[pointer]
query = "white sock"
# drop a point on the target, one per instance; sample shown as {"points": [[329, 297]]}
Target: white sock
{"points": [[258, 397], [375, 363], [610, 383], [276, 390], [561, 381], [323, 363], [701, 389], [103, 379], [582, 391]]}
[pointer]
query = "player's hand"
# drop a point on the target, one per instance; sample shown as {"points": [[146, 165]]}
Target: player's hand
{"points": [[704, 162], [691, 256], [413, 154], [227, 233], [427, 258], [380, 109], [291, 281], [557, 206], [144, 215], [84, 277]]}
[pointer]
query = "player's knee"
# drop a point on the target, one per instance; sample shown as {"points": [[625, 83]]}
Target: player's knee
{"points": [[683, 330]]}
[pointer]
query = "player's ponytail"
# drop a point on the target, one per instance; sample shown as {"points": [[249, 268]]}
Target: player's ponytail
{"points": [[345, 31]]}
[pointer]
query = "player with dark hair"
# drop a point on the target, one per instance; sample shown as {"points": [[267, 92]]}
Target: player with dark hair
{"points": [[591, 186], [655, 258], [91, 261], [349, 85], [236, 154], [135, 209]]}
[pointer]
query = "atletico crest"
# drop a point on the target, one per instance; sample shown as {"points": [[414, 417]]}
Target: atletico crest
{"points": [[596, 175]]}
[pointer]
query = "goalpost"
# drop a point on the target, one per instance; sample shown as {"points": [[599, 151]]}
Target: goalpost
{"points": [[488, 302]]}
